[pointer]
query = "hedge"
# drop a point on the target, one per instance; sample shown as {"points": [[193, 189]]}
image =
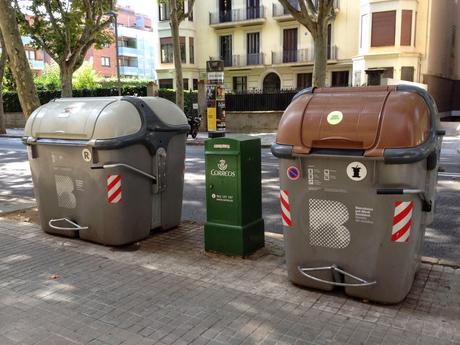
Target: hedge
{"points": [[11, 102]]}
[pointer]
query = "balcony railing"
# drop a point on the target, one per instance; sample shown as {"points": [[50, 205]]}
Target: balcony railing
{"points": [[129, 70], [280, 11], [292, 56], [306, 55], [332, 53], [127, 51], [237, 15], [242, 60]]}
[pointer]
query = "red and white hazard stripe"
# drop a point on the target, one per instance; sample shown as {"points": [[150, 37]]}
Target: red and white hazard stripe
{"points": [[114, 189], [402, 221], [285, 208]]}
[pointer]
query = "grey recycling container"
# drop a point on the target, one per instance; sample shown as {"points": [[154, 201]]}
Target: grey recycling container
{"points": [[107, 169], [358, 172]]}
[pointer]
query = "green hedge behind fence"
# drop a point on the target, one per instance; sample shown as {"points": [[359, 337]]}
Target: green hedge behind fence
{"points": [[11, 102]]}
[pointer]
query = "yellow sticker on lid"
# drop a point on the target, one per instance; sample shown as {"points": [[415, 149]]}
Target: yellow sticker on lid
{"points": [[334, 117]]}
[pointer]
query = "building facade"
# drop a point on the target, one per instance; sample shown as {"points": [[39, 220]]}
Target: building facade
{"points": [[264, 48], [136, 48], [36, 57]]}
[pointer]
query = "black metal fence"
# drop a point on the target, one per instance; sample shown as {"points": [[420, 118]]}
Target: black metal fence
{"points": [[259, 101]]}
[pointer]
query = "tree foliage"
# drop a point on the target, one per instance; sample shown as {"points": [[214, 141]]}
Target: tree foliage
{"points": [[315, 16], [66, 29]]}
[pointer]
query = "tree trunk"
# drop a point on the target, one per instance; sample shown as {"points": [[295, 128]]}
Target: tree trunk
{"points": [[17, 59], [66, 80], [320, 50], [174, 23], [2, 114], [2, 72]]}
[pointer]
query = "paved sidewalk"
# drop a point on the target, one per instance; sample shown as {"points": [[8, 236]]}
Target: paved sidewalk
{"points": [[166, 290]]}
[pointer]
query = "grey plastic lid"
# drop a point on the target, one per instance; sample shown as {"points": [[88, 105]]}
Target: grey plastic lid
{"points": [[99, 118]]}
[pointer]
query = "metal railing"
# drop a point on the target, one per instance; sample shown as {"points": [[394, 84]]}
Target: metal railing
{"points": [[292, 56], [242, 60], [259, 101], [237, 15]]}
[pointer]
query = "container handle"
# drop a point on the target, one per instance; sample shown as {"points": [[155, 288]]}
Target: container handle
{"points": [[75, 226], [127, 166], [334, 269], [426, 204]]}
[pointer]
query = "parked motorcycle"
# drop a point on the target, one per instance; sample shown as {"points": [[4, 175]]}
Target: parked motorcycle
{"points": [[194, 120]]}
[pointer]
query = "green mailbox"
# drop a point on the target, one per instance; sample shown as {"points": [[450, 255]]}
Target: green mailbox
{"points": [[233, 196]]}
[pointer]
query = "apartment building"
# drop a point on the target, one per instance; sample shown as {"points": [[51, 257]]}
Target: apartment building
{"points": [[261, 45], [191, 67], [264, 48], [36, 57], [136, 48]]}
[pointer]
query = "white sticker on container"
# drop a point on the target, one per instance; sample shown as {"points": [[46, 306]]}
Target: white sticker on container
{"points": [[334, 117], [86, 154], [356, 171]]}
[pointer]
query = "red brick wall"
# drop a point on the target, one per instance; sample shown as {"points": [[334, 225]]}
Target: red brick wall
{"points": [[109, 52]]}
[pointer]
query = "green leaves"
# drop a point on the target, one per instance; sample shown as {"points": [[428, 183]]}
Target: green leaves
{"points": [[66, 29]]}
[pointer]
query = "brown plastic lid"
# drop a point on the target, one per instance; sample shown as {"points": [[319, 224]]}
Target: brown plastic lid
{"points": [[365, 118]]}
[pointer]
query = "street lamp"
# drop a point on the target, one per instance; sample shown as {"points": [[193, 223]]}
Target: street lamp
{"points": [[114, 14]]}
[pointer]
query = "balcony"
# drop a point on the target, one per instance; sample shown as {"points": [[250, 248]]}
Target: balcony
{"points": [[129, 70], [127, 51], [293, 56], [301, 56], [237, 17], [243, 60], [281, 14]]}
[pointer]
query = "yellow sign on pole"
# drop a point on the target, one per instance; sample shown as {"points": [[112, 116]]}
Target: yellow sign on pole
{"points": [[212, 120]]}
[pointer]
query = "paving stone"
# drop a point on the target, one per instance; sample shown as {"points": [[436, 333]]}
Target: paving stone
{"points": [[170, 292]]}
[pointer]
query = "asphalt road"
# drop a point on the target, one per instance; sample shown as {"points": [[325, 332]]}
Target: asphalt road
{"points": [[442, 237]]}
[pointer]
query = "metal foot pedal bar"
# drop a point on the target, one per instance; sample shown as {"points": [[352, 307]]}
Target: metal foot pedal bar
{"points": [[75, 226], [334, 269]]}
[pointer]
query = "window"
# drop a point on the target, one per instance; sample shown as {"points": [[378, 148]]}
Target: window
{"points": [[105, 61], [407, 73], [304, 80], [183, 59], [289, 45], [383, 29], [240, 84], [166, 83], [226, 49], [164, 10], [185, 83], [166, 48], [191, 47], [30, 54], [340, 78], [253, 49], [195, 84], [388, 73], [406, 28]]}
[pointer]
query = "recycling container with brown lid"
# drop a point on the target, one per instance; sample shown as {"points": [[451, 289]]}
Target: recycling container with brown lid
{"points": [[358, 169]]}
